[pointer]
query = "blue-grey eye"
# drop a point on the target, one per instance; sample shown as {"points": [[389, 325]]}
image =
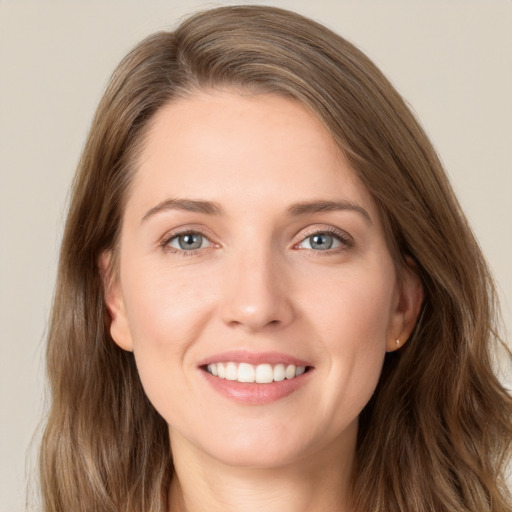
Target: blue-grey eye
{"points": [[320, 242], [188, 242]]}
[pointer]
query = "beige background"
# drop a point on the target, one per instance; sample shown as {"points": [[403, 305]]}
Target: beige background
{"points": [[452, 60]]}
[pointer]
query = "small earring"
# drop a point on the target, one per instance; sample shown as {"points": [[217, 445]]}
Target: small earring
{"points": [[397, 341]]}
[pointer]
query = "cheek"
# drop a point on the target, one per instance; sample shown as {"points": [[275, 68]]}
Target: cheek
{"points": [[355, 307], [166, 316], [167, 309], [353, 319]]}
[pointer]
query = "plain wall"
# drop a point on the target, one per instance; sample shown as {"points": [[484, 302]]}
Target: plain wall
{"points": [[452, 60]]}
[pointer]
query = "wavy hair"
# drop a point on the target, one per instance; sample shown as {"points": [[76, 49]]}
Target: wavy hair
{"points": [[437, 433]]}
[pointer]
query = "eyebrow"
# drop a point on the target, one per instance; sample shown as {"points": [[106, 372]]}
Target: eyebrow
{"points": [[298, 209], [187, 205], [327, 206]]}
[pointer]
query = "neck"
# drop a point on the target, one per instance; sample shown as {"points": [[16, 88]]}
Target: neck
{"points": [[317, 483]]}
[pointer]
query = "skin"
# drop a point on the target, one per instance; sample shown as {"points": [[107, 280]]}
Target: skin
{"points": [[257, 284]]}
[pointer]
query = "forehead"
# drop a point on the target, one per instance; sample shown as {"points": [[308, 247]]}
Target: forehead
{"points": [[228, 146]]}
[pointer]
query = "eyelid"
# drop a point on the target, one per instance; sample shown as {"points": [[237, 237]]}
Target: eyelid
{"points": [[345, 238], [185, 230]]}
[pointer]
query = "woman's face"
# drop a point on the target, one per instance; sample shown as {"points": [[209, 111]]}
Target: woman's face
{"points": [[255, 286]]}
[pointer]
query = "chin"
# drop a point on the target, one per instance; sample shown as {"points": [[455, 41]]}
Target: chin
{"points": [[260, 445], [265, 447], [257, 457]]}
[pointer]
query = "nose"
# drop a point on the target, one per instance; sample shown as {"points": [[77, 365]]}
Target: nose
{"points": [[257, 294]]}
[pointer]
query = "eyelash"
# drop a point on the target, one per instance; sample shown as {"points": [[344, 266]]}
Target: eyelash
{"points": [[182, 252], [344, 238]]}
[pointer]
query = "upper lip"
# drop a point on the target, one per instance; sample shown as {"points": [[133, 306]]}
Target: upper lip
{"points": [[245, 356]]}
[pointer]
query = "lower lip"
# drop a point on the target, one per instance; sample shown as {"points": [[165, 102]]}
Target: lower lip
{"points": [[254, 393]]}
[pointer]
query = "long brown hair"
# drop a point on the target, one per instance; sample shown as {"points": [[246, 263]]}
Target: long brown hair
{"points": [[436, 434]]}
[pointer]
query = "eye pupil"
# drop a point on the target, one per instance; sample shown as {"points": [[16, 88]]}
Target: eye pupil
{"points": [[321, 241], [190, 241]]}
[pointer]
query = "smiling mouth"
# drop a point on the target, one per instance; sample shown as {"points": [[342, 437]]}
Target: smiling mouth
{"points": [[259, 374]]}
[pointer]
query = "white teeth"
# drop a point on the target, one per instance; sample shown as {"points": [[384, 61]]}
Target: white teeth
{"points": [[300, 370], [246, 372], [231, 371], [261, 373], [279, 372], [264, 374], [290, 371]]}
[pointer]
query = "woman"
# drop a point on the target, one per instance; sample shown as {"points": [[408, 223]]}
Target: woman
{"points": [[268, 295]]}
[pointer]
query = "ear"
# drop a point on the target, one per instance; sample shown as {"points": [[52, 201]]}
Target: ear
{"points": [[113, 296], [410, 299]]}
